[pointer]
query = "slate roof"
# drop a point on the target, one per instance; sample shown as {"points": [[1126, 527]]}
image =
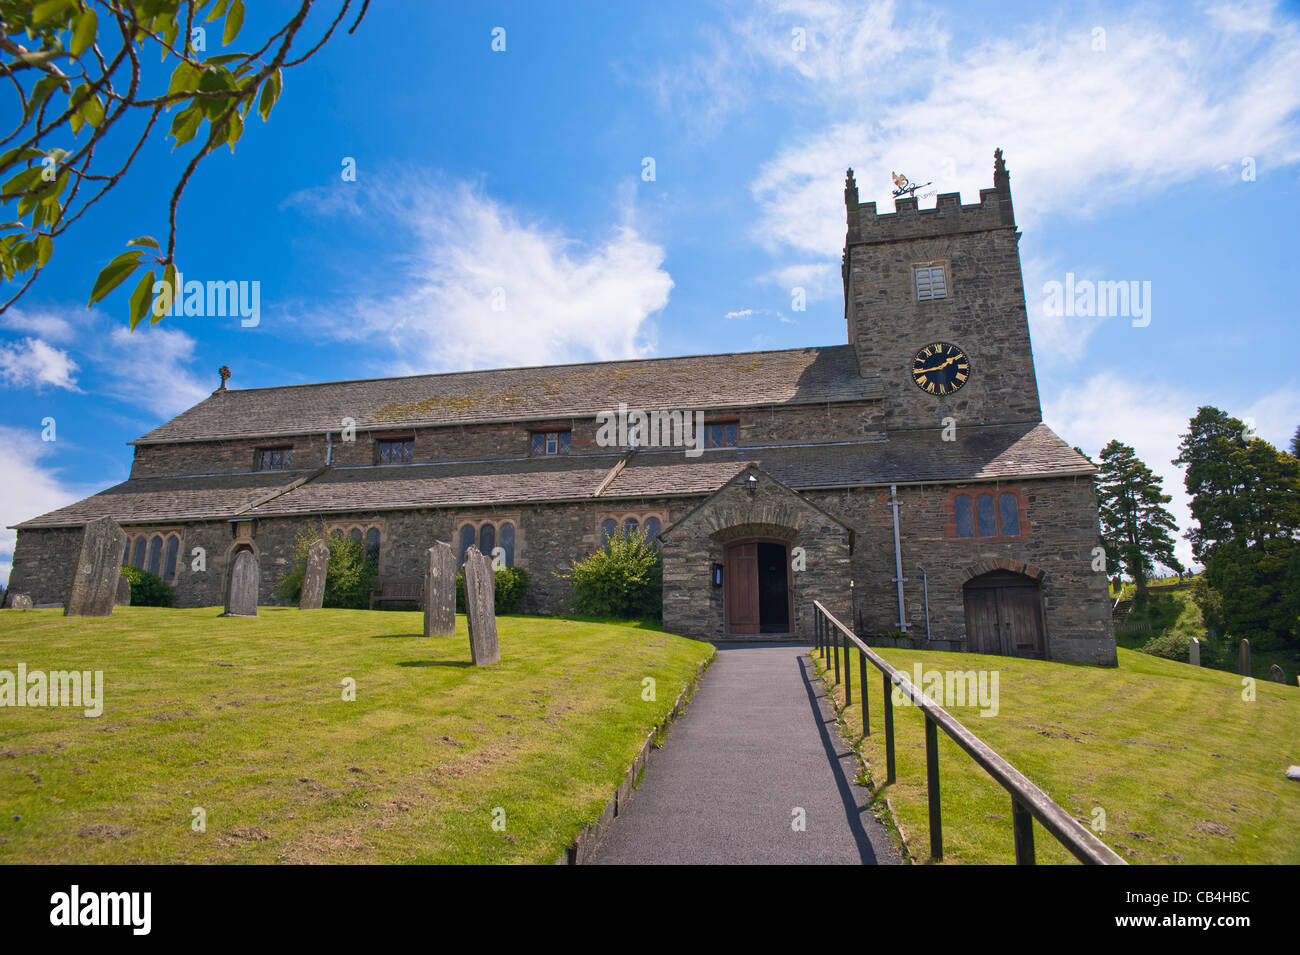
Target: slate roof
{"points": [[167, 499], [793, 376], [978, 454]]}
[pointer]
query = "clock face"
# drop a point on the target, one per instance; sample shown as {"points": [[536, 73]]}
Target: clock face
{"points": [[940, 369]]}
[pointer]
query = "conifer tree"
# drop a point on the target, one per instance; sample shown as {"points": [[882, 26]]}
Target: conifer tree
{"points": [[1137, 529]]}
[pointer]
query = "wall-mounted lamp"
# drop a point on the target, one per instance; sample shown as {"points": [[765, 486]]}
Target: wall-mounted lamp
{"points": [[717, 575], [751, 484]]}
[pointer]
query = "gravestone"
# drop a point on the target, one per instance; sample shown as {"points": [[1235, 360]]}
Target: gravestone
{"points": [[440, 591], [1276, 674], [20, 601], [123, 592], [313, 579], [99, 565], [480, 608], [1243, 660], [241, 592], [1194, 652]]}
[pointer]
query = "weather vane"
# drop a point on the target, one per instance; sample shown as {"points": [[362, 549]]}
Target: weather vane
{"points": [[905, 187]]}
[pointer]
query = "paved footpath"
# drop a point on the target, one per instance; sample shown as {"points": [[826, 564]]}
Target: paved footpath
{"points": [[757, 741]]}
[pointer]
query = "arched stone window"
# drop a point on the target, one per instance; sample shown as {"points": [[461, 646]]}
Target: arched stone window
{"points": [[507, 542], [631, 526], [985, 517], [982, 514], [1009, 512], [154, 562], [137, 552], [169, 558], [467, 537], [607, 530], [487, 539], [372, 545], [652, 529]]}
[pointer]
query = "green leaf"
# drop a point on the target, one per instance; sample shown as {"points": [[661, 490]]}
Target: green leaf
{"points": [[186, 124], [185, 78], [141, 299], [236, 129], [49, 9], [44, 249], [23, 181], [146, 240], [270, 93], [40, 93], [83, 35], [234, 20], [93, 111], [113, 275], [169, 279], [217, 10]]}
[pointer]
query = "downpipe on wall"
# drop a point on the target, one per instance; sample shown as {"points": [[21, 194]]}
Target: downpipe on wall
{"points": [[898, 560]]}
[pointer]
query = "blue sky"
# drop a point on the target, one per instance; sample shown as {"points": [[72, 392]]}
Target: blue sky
{"points": [[1130, 133]]}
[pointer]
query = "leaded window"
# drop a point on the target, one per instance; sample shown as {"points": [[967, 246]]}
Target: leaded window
{"points": [[273, 459], [721, 434], [394, 451], [550, 442]]}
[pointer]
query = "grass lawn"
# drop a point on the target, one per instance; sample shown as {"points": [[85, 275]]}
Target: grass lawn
{"points": [[245, 719], [1185, 770]]}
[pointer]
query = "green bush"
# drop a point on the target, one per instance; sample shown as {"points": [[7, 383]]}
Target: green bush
{"points": [[348, 580], [147, 590], [1170, 646], [511, 588], [622, 580]]}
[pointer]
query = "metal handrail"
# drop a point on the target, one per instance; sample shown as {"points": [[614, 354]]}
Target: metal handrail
{"points": [[1028, 802]]}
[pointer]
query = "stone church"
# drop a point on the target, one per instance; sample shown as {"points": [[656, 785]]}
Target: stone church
{"points": [[904, 478]]}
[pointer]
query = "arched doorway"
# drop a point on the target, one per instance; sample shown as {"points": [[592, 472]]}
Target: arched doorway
{"points": [[1004, 615], [757, 587]]}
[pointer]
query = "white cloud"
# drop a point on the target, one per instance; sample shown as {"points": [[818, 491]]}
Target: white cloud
{"points": [[1058, 340], [477, 287], [30, 489], [1151, 418], [33, 362], [44, 323], [1167, 101], [149, 368], [741, 313]]}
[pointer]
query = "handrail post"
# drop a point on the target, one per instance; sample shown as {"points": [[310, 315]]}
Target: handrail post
{"points": [[862, 681], [835, 649], [932, 785], [1022, 823], [889, 731], [848, 673]]}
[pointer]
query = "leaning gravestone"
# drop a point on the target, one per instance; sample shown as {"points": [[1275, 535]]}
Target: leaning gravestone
{"points": [[1243, 662], [241, 595], [1276, 674], [99, 566], [1194, 652], [123, 598], [313, 579], [480, 608], [440, 591]]}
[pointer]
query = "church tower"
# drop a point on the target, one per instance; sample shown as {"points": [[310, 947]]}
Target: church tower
{"points": [[934, 300]]}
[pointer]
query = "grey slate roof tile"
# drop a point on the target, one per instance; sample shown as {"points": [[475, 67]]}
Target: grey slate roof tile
{"points": [[706, 381], [978, 454]]}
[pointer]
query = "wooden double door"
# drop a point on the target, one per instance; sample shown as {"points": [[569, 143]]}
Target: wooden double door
{"points": [[1004, 614], [757, 587]]}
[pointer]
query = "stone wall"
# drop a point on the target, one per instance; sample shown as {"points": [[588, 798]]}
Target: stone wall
{"points": [[694, 607], [793, 424], [44, 562], [1059, 532], [984, 315]]}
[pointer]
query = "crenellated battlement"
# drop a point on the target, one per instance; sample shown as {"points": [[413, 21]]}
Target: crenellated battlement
{"points": [[948, 217]]}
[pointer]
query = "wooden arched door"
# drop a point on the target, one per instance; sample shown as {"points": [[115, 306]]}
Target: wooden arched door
{"points": [[757, 587], [1004, 615]]}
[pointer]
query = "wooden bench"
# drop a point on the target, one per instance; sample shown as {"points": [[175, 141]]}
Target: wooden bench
{"points": [[398, 589]]}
